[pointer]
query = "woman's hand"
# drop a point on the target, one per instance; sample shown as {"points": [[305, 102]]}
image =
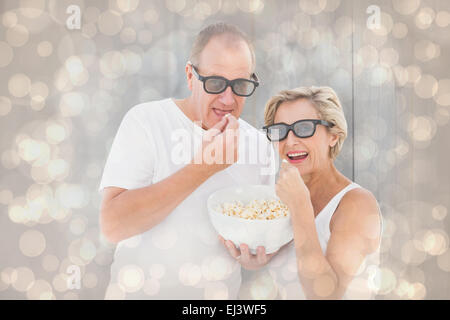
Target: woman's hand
{"points": [[290, 187], [246, 259]]}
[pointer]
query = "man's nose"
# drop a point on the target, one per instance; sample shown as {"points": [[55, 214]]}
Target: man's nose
{"points": [[227, 97]]}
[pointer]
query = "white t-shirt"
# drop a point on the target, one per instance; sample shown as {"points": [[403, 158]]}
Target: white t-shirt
{"points": [[180, 258]]}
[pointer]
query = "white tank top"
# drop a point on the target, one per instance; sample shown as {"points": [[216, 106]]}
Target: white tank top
{"points": [[279, 279]]}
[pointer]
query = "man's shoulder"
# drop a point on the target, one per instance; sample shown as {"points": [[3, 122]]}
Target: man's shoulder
{"points": [[244, 125], [148, 108]]}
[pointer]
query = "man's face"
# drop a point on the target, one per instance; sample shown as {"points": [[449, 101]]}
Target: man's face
{"points": [[225, 58]]}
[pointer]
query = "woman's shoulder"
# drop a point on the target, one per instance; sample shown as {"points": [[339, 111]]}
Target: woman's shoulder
{"points": [[358, 212]]}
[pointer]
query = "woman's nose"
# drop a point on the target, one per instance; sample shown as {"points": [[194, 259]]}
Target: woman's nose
{"points": [[291, 137], [227, 97]]}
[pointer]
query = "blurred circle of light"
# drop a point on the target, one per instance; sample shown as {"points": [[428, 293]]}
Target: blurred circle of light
{"points": [[400, 30], [384, 280], [443, 261], [332, 5], [72, 196], [435, 242], [367, 56], [8, 276], [151, 286], [406, 7], [252, 6], [442, 116], [78, 225], [374, 39], [417, 291], [151, 16], [216, 291], [110, 23], [128, 35], [380, 75], [425, 18], [6, 54], [189, 274], [114, 292], [50, 263], [263, 287], [131, 278], [62, 80], [40, 290], [58, 169], [32, 8], [55, 133], [389, 57], [77, 72], [17, 35], [127, 5], [9, 19], [73, 103], [5, 105], [24, 279], [19, 85], [426, 87], [439, 212], [89, 30], [414, 73], [443, 19], [425, 50], [386, 24], [112, 64], [309, 39], [312, 7], [442, 96], [32, 243], [175, 5], [422, 128], [38, 91], [410, 255], [60, 282], [16, 210], [90, 280], [82, 251]]}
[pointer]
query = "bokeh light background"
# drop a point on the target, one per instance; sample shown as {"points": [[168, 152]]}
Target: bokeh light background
{"points": [[64, 92]]}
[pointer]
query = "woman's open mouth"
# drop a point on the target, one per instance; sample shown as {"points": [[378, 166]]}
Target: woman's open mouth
{"points": [[297, 156]]}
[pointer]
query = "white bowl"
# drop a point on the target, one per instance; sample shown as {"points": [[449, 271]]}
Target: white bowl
{"points": [[271, 234]]}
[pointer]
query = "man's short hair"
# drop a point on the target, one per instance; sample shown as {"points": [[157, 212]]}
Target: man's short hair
{"points": [[217, 29]]}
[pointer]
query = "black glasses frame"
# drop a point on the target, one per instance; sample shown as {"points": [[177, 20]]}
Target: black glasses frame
{"points": [[291, 127], [229, 83]]}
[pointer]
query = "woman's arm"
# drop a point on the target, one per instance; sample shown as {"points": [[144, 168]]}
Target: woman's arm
{"points": [[355, 233]]}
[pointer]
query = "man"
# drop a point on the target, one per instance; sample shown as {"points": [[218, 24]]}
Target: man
{"points": [[154, 203]]}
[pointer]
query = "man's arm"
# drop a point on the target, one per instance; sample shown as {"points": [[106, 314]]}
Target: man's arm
{"points": [[125, 213]]}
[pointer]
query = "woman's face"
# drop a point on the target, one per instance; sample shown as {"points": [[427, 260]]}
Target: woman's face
{"points": [[316, 147]]}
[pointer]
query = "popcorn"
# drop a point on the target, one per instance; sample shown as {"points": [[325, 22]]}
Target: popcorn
{"points": [[255, 210]]}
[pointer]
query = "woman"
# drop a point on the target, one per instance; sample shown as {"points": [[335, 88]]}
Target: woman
{"points": [[336, 223]]}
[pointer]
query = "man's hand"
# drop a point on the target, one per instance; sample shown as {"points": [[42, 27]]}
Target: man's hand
{"points": [[220, 145], [246, 259]]}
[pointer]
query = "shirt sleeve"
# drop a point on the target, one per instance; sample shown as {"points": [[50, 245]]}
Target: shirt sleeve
{"points": [[131, 160]]}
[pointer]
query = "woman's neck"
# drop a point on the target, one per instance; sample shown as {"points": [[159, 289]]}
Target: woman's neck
{"points": [[328, 177]]}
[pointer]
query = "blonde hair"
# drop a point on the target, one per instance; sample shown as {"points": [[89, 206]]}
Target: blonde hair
{"points": [[218, 29], [327, 104]]}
